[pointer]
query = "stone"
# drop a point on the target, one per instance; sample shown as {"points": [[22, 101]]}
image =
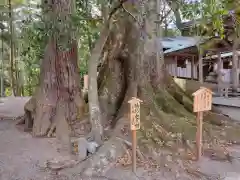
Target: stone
{"points": [[169, 158], [92, 147]]}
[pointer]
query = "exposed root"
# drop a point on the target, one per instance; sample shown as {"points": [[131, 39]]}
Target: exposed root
{"points": [[52, 130], [20, 120], [215, 119], [218, 154], [42, 121], [129, 144], [59, 165], [197, 174], [106, 157], [163, 134], [126, 159], [99, 163]]}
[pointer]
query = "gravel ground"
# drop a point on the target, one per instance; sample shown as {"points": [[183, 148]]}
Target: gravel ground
{"points": [[22, 158], [21, 155]]}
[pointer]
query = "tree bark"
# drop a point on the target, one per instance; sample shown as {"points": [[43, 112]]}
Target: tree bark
{"points": [[94, 108], [58, 100], [11, 49], [130, 69]]}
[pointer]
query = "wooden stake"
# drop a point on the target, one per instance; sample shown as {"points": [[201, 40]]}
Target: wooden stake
{"points": [[199, 134], [202, 101], [134, 151], [134, 125]]}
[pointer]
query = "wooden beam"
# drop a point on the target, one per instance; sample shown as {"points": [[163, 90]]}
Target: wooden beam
{"points": [[235, 76], [182, 54], [192, 67], [176, 68], [200, 67], [219, 72]]}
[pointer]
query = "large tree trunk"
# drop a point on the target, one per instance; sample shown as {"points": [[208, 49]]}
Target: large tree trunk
{"points": [[94, 108], [58, 100], [129, 69]]}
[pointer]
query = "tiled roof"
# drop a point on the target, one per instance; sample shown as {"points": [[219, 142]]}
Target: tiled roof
{"points": [[172, 44], [180, 42]]}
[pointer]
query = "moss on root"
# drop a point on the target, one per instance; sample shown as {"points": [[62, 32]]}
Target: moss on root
{"points": [[168, 117]]}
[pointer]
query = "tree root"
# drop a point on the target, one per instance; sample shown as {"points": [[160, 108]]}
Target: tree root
{"points": [[196, 173], [162, 132], [215, 119], [57, 166], [218, 154], [20, 120], [139, 154], [52, 130], [99, 163]]}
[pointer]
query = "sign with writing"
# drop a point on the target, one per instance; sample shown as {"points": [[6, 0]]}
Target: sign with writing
{"points": [[85, 82], [202, 100], [135, 113]]}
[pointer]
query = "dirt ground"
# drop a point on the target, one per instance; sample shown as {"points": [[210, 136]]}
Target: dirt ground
{"points": [[23, 157]]}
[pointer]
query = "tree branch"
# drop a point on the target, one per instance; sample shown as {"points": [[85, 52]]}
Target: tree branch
{"points": [[165, 16], [114, 10]]}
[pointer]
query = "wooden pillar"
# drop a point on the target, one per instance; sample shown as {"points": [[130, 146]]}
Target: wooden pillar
{"points": [[219, 72], [192, 67], [85, 82], [234, 73], [176, 68], [200, 67]]}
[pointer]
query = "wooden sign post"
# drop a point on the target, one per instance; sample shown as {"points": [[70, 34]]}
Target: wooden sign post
{"points": [[85, 82], [202, 102], [135, 125]]}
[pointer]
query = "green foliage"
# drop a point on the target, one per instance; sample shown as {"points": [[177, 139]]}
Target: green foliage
{"points": [[191, 9], [32, 42], [34, 29], [34, 34], [88, 31], [210, 14]]}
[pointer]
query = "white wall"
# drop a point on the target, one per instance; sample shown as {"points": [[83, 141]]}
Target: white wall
{"points": [[227, 75], [172, 68]]}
